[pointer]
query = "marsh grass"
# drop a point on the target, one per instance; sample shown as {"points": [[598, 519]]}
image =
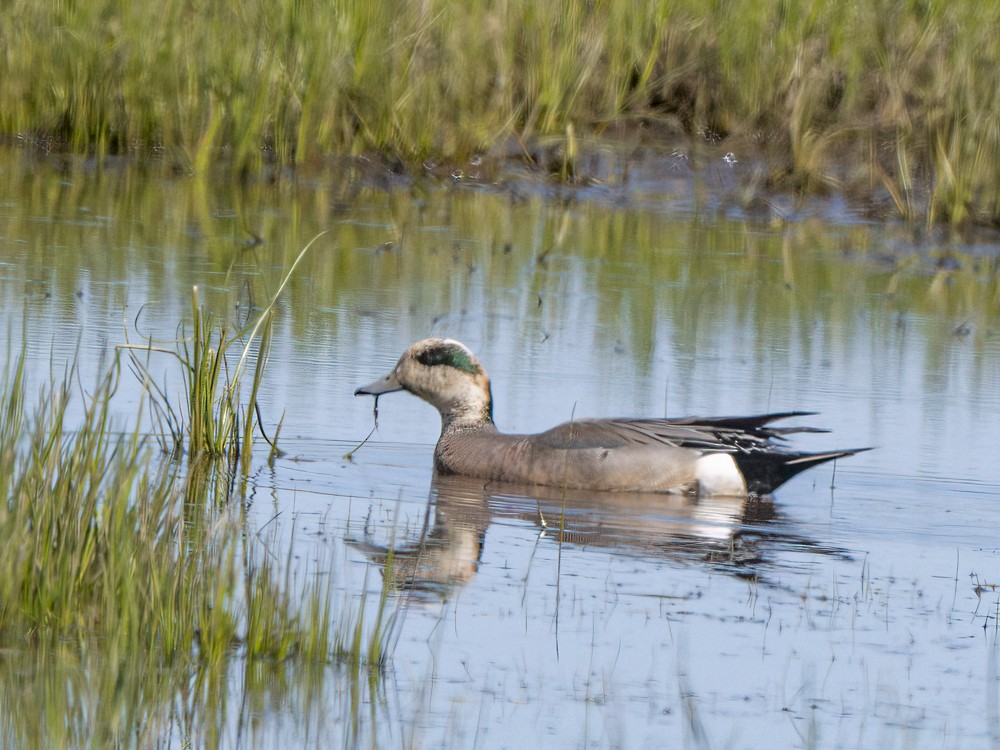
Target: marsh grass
{"points": [[894, 95], [134, 560], [109, 565], [216, 424]]}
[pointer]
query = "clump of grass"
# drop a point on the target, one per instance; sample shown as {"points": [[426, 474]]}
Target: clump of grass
{"points": [[213, 418], [96, 540], [104, 550], [215, 423], [130, 555]]}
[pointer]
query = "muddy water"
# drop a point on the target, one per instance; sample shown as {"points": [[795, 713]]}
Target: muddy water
{"points": [[856, 608]]}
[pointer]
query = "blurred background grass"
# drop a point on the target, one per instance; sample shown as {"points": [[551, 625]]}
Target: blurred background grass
{"points": [[898, 95]]}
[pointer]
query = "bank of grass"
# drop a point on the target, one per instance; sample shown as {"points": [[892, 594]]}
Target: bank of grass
{"points": [[893, 95]]}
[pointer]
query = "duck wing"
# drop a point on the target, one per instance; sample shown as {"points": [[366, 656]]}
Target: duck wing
{"points": [[708, 434]]}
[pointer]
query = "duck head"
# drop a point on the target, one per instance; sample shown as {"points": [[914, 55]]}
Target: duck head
{"points": [[446, 374]]}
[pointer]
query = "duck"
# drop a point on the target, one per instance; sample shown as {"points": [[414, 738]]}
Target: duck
{"points": [[697, 456]]}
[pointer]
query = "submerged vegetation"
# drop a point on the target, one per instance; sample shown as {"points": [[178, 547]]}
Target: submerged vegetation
{"points": [[895, 96]]}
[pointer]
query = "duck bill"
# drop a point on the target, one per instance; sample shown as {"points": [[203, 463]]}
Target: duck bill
{"points": [[388, 384]]}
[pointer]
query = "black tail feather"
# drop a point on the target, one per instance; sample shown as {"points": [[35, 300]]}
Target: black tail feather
{"points": [[749, 424], [777, 431], [765, 472]]}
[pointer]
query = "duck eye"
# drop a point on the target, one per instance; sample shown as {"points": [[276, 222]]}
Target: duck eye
{"points": [[448, 355]]}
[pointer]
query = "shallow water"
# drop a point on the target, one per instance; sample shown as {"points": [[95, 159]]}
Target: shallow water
{"points": [[855, 609]]}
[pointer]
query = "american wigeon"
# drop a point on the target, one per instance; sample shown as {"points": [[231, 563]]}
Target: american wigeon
{"points": [[703, 456]]}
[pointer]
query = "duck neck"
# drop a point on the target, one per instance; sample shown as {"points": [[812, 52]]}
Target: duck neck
{"points": [[468, 416]]}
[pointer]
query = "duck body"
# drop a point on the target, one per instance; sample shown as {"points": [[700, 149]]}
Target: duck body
{"points": [[608, 455], [698, 456]]}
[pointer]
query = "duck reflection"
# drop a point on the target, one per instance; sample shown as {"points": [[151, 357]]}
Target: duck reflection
{"points": [[738, 535]]}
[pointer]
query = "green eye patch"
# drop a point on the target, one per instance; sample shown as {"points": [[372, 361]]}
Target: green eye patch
{"points": [[452, 356]]}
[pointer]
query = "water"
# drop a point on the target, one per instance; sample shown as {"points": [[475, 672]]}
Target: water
{"points": [[856, 609]]}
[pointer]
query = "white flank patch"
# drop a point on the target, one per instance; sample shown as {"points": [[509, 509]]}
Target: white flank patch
{"points": [[717, 475]]}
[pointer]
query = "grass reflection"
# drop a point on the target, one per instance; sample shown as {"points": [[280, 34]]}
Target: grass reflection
{"points": [[508, 251]]}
